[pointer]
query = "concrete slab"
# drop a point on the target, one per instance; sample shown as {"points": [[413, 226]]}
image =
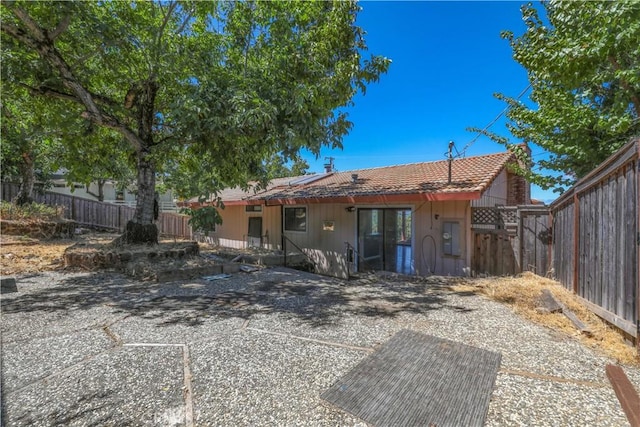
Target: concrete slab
{"points": [[263, 346], [25, 362], [129, 386], [262, 379]]}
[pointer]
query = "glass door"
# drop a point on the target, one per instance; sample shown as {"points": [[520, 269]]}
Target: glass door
{"points": [[384, 240]]}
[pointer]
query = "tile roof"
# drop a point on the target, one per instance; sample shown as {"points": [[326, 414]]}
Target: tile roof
{"points": [[426, 181]]}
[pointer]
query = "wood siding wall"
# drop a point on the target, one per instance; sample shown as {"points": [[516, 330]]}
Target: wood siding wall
{"points": [[233, 231], [91, 213], [596, 238], [328, 249], [495, 195], [429, 257]]}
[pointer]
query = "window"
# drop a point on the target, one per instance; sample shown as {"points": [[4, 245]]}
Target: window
{"points": [[253, 208], [451, 238], [295, 219]]}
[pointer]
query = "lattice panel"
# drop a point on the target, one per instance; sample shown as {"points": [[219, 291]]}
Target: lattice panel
{"points": [[497, 217]]}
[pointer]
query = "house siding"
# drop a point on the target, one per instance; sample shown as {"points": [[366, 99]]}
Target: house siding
{"points": [[428, 243], [232, 233], [326, 248], [496, 194]]}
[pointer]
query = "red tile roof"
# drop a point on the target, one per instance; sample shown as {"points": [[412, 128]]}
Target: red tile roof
{"points": [[415, 181]]}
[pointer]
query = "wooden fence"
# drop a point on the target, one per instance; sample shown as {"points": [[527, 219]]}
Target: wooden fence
{"points": [[91, 213], [596, 237], [510, 240]]}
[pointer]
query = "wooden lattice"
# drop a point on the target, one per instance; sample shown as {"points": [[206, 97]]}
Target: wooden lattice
{"points": [[498, 217]]}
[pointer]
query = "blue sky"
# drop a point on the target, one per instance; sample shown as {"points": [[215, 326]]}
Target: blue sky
{"points": [[448, 61]]}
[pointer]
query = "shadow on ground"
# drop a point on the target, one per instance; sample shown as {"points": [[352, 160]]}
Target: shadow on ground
{"points": [[313, 299]]}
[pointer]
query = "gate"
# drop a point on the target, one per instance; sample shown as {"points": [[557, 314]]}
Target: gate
{"points": [[510, 240]]}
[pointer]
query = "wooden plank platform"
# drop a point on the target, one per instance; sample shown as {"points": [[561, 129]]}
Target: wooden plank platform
{"points": [[419, 380]]}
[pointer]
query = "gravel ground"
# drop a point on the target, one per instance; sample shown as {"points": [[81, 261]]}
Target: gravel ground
{"points": [[259, 349]]}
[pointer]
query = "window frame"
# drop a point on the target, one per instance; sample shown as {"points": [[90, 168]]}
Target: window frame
{"points": [[306, 219], [253, 209]]}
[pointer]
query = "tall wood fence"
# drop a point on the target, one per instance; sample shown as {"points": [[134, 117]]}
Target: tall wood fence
{"points": [[510, 240], [596, 238], [91, 213]]}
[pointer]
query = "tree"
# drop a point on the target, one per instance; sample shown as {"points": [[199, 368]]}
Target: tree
{"points": [[29, 146], [212, 88], [96, 155], [584, 70]]}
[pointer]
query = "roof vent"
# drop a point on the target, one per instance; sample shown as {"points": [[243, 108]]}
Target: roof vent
{"points": [[354, 177]]}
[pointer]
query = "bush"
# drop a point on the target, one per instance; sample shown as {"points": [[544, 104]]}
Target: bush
{"points": [[31, 211]]}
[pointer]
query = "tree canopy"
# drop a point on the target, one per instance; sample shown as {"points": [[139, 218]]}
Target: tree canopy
{"points": [[583, 62], [211, 89]]}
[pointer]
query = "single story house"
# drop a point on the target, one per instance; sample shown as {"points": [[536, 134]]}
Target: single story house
{"points": [[111, 193], [410, 219]]}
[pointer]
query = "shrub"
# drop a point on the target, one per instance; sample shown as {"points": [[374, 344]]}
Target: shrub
{"points": [[31, 211]]}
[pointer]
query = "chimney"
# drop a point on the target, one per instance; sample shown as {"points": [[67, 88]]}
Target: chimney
{"points": [[328, 167], [518, 188], [354, 178]]}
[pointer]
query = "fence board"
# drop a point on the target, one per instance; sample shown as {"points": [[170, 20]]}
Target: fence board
{"points": [[606, 205], [92, 213]]}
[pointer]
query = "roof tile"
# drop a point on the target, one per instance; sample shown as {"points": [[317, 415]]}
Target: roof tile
{"points": [[471, 174]]}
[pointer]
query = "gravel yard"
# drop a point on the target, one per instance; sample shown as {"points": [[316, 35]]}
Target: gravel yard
{"points": [[259, 348]]}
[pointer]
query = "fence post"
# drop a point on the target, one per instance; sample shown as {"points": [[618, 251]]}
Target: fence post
{"points": [[637, 236], [576, 240]]}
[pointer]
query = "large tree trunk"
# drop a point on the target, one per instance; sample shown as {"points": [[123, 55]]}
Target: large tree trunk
{"points": [[142, 229], [27, 180]]}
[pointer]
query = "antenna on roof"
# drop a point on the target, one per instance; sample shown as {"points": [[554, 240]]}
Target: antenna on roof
{"points": [[449, 155], [328, 166]]}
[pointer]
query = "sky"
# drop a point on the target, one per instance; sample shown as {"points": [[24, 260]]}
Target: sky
{"points": [[448, 61]]}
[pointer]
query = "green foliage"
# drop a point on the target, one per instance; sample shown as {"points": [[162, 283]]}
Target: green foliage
{"points": [[203, 219], [584, 68], [30, 212], [202, 92], [28, 139]]}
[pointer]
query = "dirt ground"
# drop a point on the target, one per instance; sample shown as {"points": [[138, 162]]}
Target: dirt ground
{"points": [[21, 255]]}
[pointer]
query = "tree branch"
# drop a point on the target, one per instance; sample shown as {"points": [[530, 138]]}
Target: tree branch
{"points": [[62, 26], [54, 93], [41, 43]]}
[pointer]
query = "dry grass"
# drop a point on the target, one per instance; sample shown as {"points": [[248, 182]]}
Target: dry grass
{"points": [[24, 255], [522, 294]]}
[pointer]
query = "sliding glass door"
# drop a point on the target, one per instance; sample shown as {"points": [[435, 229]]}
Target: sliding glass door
{"points": [[384, 240]]}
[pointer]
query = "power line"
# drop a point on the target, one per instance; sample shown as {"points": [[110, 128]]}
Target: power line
{"points": [[492, 122]]}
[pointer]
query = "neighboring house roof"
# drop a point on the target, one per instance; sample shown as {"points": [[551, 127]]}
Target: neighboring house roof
{"points": [[400, 183]]}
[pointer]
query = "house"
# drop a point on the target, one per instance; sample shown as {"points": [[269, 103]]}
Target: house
{"points": [[409, 219], [111, 192]]}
